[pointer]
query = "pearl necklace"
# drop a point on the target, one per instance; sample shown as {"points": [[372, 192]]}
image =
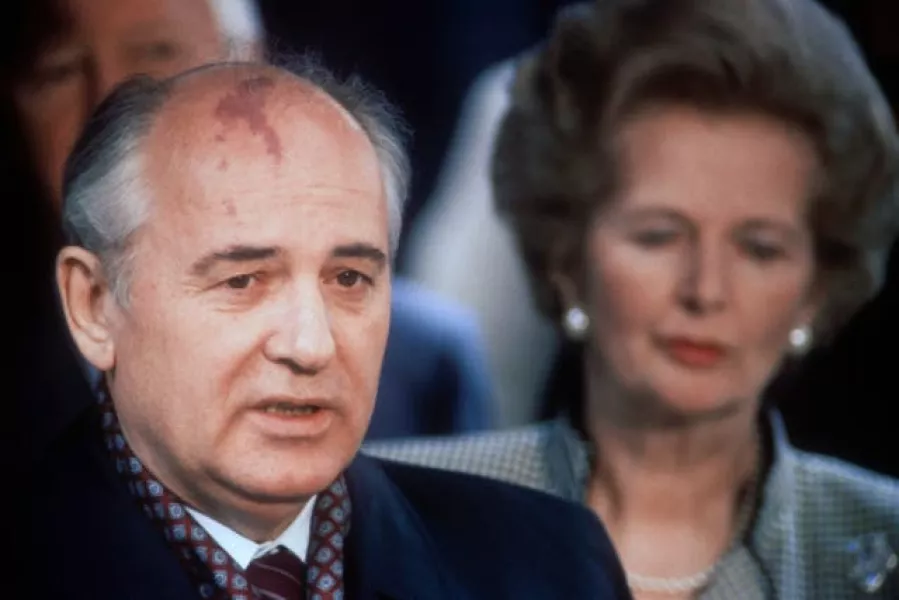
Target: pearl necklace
{"points": [[697, 581]]}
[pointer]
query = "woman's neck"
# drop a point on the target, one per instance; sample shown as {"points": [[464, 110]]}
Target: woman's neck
{"points": [[672, 472], [671, 491]]}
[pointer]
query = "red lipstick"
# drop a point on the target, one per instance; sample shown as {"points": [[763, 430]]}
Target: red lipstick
{"points": [[694, 353]]}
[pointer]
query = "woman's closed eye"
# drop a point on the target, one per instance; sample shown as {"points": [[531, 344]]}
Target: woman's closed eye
{"points": [[762, 251], [654, 238]]}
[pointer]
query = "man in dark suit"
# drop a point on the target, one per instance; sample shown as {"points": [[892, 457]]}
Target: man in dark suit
{"points": [[231, 235]]}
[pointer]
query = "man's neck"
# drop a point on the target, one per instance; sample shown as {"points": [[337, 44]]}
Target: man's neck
{"points": [[243, 550], [256, 519], [255, 523]]}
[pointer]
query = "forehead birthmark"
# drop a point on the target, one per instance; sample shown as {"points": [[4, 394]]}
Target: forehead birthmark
{"points": [[247, 103]]}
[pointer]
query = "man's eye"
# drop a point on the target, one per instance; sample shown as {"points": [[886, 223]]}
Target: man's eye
{"points": [[351, 278], [240, 282]]}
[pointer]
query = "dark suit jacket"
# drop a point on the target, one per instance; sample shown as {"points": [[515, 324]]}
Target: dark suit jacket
{"points": [[415, 533]]}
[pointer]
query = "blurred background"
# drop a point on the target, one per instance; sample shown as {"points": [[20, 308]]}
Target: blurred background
{"points": [[446, 66]]}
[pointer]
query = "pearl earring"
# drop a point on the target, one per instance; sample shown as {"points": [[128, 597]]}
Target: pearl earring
{"points": [[576, 323], [800, 339]]}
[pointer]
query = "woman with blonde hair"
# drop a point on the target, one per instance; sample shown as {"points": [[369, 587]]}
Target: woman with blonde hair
{"points": [[701, 190]]}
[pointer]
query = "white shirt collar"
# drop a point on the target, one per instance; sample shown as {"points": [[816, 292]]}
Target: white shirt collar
{"points": [[295, 538]]}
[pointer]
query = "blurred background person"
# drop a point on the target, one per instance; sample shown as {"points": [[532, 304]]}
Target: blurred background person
{"points": [[700, 191], [66, 58], [459, 248]]}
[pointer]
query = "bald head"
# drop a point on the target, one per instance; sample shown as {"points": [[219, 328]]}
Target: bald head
{"points": [[255, 106], [220, 121]]}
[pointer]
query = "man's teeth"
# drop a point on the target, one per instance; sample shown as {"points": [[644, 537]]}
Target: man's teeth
{"points": [[288, 409]]}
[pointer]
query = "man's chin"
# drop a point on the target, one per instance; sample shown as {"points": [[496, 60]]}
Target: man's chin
{"points": [[289, 492], [287, 479], [260, 509]]}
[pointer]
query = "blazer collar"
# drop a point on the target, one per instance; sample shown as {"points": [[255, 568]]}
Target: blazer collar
{"points": [[76, 477], [864, 564], [389, 553]]}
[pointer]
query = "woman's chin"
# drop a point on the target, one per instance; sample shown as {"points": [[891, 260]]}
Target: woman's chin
{"points": [[693, 402]]}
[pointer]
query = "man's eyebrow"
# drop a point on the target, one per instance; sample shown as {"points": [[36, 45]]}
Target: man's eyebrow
{"points": [[361, 250], [232, 254]]}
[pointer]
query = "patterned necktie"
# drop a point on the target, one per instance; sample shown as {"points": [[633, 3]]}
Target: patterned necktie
{"points": [[279, 575], [214, 572], [330, 526]]}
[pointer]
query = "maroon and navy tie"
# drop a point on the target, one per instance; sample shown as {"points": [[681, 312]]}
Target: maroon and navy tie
{"points": [[278, 575]]}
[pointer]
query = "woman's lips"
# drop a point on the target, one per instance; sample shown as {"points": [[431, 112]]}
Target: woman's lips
{"points": [[694, 354]]}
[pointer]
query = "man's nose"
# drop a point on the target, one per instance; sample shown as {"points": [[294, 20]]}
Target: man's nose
{"points": [[303, 339], [705, 280]]}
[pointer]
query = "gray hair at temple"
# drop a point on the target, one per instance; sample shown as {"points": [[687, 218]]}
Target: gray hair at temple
{"points": [[106, 198]]}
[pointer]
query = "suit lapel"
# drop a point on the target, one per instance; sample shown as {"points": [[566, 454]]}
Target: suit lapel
{"points": [[389, 553], [85, 515]]}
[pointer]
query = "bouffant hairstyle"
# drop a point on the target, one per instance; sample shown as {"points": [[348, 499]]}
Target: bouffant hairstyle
{"points": [[554, 164]]}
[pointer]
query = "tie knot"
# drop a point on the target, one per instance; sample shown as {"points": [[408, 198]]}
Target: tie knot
{"points": [[280, 574]]}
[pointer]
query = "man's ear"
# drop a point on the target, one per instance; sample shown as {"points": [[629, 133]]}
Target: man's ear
{"points": [[87, 303]]}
